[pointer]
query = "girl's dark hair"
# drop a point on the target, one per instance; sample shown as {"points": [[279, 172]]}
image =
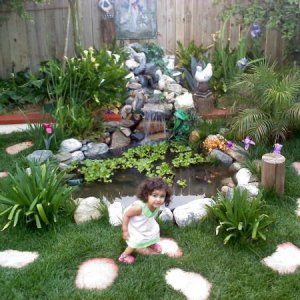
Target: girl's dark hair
{"points": [[151, 184]]}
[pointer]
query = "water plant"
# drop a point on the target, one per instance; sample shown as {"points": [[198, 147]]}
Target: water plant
{"points": [[240, 218], [147, 159], [36, 197]]}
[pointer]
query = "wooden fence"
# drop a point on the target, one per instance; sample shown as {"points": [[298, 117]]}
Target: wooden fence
{"points": [[24, 44]]}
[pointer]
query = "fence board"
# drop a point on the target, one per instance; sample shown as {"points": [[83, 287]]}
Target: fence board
{"points": [[27, 44]]}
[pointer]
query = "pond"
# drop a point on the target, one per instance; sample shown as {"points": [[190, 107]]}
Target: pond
{"points": [[201, 179]]}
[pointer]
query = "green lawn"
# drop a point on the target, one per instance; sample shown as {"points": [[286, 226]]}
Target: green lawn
{"points": [[234, 270]]}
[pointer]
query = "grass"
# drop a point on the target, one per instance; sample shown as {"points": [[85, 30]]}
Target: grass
{"points": [[234, 270]]}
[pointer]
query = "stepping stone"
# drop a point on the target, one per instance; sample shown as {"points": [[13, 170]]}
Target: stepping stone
{"points": [[190, 284], [18, 147], [285, 260], [296, 166], [17, 259], [96, 273], [3, 174], [169, 248], [298, 207]]}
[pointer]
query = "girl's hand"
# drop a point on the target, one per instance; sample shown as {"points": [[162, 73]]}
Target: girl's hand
{"points": [[125, 235]]}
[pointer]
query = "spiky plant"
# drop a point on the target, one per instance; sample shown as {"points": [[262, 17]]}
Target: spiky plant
{"points": [[273, 103]]}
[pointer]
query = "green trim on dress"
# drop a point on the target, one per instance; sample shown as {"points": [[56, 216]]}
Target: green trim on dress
{"points": [[146, 244], [147, 212]]}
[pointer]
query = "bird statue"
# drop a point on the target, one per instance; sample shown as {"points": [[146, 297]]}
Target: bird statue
{"points": [[203, 75]]}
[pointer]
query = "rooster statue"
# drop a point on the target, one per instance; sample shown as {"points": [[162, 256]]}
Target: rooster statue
{"points": [[203, 75]]}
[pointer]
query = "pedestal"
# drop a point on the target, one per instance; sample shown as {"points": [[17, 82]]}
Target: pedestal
{"points": [[273, 172], [203, 105]]}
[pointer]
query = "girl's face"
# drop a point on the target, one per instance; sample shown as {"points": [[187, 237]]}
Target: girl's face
{"points": [[156, 199]]}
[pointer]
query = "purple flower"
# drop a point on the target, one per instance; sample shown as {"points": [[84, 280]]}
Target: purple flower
{"points": [[247, 142], [277, 148], [255, 30], [242, 63], [229, 144]]}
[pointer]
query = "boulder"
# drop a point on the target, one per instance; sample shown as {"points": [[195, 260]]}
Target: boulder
{"points": [[70, 145], [166, 215], [192, 211], [115, 212], [184, 101], [39, 156], [221, 156], [243, 176], [94, 150], [87, 209]]}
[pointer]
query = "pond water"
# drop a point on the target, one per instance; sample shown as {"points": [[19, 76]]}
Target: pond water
{"points": [[202, 179]]}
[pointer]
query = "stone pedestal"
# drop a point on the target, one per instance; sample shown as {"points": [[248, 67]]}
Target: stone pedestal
{"points": [[203, 105]]}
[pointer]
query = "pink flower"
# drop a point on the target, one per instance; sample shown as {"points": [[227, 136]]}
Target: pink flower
{"points": [[247, 142], [48, 128]]}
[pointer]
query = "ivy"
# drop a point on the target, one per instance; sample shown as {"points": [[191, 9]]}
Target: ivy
{"points": [[18, 7]]}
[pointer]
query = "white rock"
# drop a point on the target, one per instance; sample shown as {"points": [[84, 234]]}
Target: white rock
{"points": [[70, 145], [243, 176], [285, 260], [184, 101], [87, 209], [131, 64], [76, 156], [192, 211], [166, 215], [174, 87], [251, 189], [17, 259], [115, 212], [192, 285], [96, 273]]}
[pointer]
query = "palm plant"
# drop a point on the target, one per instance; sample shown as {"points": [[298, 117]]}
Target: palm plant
{"points": [[272, 98]]}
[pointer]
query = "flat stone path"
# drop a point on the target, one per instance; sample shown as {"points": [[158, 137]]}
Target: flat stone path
{"points": [[96, 273], [192, 285], [17, 259], [296, 166], [285, 259], [3, 174], [14, 149]]}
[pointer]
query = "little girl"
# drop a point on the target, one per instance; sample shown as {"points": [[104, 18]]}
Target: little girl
{"points": [[140, 230]]}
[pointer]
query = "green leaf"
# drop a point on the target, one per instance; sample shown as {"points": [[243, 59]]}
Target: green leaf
{"points": [[6, 225], [42, 213], [37, 221], [11, 214], [16, 219]]}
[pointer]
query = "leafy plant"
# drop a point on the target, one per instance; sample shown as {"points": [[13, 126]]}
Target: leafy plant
{"points": [[282, 16], [184, 54], [154, 53], [272, 98], [36, 197], [240, 218], [96, 76]]}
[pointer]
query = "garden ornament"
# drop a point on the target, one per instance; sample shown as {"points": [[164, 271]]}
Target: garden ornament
{"points": [[107, 7], [247, 142], [204, 75], [277, 148]]}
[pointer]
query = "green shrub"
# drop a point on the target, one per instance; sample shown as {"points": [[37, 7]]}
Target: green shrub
{"points": [[37, 197], [240, 218], [272, 99]]}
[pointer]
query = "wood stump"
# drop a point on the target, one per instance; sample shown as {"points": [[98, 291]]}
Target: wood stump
{"points": [[273, 172]]}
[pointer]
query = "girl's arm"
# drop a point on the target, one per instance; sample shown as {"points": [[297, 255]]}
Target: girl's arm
{"points": [[131, 212]]}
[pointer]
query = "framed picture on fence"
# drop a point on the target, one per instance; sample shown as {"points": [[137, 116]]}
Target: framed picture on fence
{"points": [[135, 19]]}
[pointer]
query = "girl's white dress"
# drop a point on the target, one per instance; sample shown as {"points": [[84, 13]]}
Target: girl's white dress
{"points": [[143, 230]]}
